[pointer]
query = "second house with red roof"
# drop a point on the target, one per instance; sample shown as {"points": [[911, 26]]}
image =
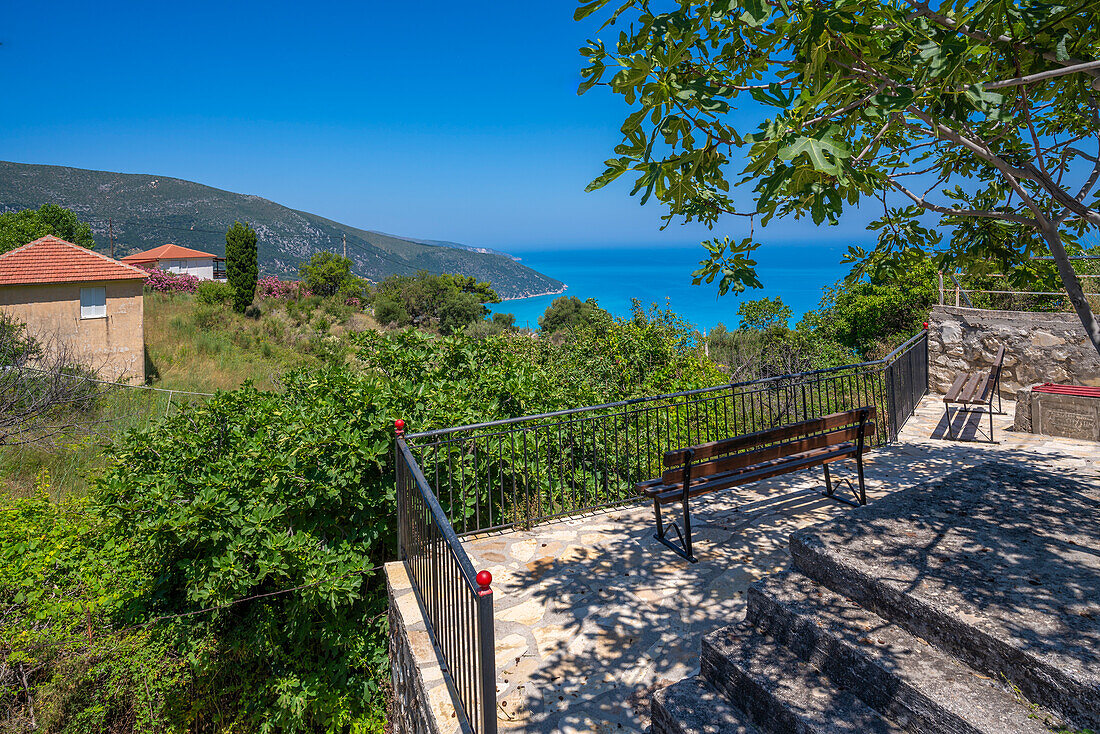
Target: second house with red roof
{"points": [[181, 261]]}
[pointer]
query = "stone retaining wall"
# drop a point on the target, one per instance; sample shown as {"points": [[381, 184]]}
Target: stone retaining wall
{"points": [[1039, 347], [421, 700]]}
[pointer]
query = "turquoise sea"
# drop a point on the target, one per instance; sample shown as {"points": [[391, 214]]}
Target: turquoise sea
{"points": [[615, 275]]}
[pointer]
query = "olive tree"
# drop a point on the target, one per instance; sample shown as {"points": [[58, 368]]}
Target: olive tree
{"points": [[971, 126]]}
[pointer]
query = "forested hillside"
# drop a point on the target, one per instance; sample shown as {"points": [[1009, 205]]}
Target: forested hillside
{"points": [[147, 211]]}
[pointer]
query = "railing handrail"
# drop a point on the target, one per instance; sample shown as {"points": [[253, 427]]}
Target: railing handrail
{"points": [[439, 516], [652, 398], [904, 347]]}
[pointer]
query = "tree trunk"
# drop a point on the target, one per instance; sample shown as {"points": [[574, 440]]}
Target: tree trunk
{"points": [[1072, 284]]}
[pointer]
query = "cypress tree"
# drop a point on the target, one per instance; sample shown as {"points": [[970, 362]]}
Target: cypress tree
{"points": [[241, 266]]}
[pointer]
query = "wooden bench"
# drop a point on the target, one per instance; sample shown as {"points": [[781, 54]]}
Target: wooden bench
{"points": [[709, 467], [973, 389]]}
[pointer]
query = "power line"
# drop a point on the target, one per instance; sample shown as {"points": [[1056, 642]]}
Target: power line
{"points": [[85, 378], [216, 607]]}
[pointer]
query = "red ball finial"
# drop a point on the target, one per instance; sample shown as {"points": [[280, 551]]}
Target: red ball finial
{"points": [[925, 324], [399, 427], [484, 579]]}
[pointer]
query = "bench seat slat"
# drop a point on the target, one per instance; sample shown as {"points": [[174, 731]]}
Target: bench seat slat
{"points": [[666, 493], [956, 386], [973, 384], [976, 388], [770, 435]]}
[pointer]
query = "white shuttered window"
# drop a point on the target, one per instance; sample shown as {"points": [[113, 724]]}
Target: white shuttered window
{"points": [[93, 303]]}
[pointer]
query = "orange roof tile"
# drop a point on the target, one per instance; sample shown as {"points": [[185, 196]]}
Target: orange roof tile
{"points": [[50, 259], [165, 252]]}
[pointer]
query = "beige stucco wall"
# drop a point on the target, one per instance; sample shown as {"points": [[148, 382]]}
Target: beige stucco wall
{"points": [[114, 346]]}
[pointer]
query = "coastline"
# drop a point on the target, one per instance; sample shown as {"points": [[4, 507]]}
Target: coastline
{"points": [[556, 292]]}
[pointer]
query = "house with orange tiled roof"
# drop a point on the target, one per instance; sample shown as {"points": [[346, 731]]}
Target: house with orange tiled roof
{"points": [[69, 294], [180, 260]]}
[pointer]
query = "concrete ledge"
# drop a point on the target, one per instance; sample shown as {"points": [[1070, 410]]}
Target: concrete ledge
{"points": [[422, 703]]}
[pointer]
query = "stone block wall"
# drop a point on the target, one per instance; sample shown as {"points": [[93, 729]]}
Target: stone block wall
{"points": [[1039, 347], [422, 702]]}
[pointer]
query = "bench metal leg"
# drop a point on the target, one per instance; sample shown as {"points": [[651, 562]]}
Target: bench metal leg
{"points": [[687, 530], [684, 548], [947, 415], [862, 488], [860, 494]]}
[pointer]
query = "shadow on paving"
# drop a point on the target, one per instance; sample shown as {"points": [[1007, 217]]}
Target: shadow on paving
{"points": [[1008, 547], [624, 615]]}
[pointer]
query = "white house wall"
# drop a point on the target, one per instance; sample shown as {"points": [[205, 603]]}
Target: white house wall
{"points": [[201, 267]]}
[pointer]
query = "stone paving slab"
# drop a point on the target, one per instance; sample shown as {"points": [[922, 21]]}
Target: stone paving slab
{"points": [[593, 614]]}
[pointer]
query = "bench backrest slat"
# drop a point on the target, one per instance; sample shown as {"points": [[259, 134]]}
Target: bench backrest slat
{"points": [[733, 462], [998, 363], [767, 436]]}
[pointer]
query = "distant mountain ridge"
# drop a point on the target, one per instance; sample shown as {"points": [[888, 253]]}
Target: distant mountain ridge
{"points": [[147, 211]]}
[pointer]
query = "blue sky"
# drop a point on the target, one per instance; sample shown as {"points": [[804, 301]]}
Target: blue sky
{"points": [[456, 121]]}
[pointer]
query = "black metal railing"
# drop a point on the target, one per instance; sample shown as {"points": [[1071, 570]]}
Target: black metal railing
{"points": [[906, 374], [457, 604], [522, 471]]}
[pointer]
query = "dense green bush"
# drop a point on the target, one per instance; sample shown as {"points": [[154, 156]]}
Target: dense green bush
{"points": [[764, 313], [282, 491], [327, 274], [872, 316], [566, 312], [214, 292], [20, 227], [62, 589], [446, 302]]}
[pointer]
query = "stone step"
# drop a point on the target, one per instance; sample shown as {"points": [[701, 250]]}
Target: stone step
{"points": [[780, 693], [691, 706], [899, 675], [993, 565]]}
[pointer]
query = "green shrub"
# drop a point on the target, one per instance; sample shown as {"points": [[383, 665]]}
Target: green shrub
{"points": [[281, 491], [448, 302], [326, 273], [214, 292], [63, 591], [206, 317], [388, 311]]}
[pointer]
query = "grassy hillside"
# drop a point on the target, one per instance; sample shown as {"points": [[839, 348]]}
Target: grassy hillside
{"points": [[195, 348], [148, 211]]}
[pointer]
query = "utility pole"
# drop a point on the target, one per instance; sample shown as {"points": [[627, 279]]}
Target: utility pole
{"points": [[111, 234], [345, 245]]}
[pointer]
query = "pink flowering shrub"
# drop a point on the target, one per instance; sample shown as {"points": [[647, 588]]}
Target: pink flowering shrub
{"points": [[159, 280], [272, 287]]}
